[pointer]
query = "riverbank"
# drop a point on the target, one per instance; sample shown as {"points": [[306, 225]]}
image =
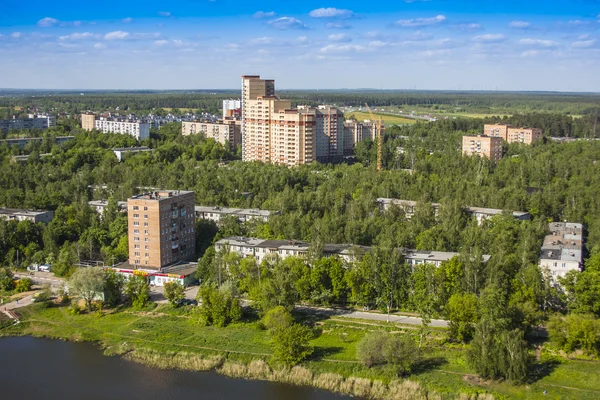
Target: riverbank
{"points": [[170, 338]]}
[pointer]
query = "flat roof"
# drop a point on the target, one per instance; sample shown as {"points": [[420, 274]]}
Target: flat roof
{"points": [[15, 211], [140, 148], [160, 195], [229, 210]]}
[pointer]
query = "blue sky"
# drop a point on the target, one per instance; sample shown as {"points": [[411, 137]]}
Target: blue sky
{"points": [[394, 44]]}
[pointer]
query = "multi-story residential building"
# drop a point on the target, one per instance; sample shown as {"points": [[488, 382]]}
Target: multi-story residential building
{"points": [[261, 249], [121, 151], [496, 130], [100, 205], [482, 146], [357, 131], [22, 142], [511, 134], [480, 213], [161, 228], [562, 250], [523, 135], [39, 121], [226, 131], [232, 108], [136, 128], [252, 88], [243, 214], [34, 216]]}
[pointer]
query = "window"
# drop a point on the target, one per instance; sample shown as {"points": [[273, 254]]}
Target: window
{"points": [[136, 231], [136, 223], [135, 208], [146, 247], [145, 224], [136, 239], [146, 240], [145, 208], [147, 255], [137, 253], [145, 216], [137, 246], [145, 231], [137, 261], [136, 215]]}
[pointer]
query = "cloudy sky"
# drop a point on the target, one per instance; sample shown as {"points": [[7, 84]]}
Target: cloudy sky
{"points": [[393, 44]]}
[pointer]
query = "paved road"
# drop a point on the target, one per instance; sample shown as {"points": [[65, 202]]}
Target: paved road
{"points": [[42, 278], [401, 319]]}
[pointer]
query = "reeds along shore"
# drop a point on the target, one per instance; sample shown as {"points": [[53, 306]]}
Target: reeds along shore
{"points": [[260, 370]]}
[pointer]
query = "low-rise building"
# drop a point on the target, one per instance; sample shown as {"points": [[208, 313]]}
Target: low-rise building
{"points": [[480, 213], [100, 205], [40, 121], [34, 216], [482, 146], [243, 214], [262, 248], [22, 142], [562, 250], [182, 273], [121, 151]]}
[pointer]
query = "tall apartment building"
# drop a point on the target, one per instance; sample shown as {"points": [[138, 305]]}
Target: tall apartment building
{"points": [[33, 121], [511, 134], [232, 108], [161, 228], [138, 129], [483, 146], [523, 135], [562, 250], [223, 131], [274, 132], [357, 131]]}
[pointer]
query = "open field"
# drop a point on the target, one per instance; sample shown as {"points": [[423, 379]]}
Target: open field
{"points": [[166, 331], [387, 119]]}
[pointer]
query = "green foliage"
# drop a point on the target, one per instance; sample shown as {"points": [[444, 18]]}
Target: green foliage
{"points": [[7, 281], [291, 345], [583, 288], [461, 312], [138, 291], [23, 285], [44, 295], [379, 348], [575, 332], [174, 292], [277, 319], [87, 284], [113, 287], [218, 307]]}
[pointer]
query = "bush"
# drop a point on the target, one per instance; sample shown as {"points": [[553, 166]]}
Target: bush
{"points": [[174, 292], [291, 344], [277, 318], [398, 351], [219, 307], [24, 285], [575, 332], [462, 316]]}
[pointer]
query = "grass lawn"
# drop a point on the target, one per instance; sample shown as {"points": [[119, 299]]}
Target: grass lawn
{"points": [[443, 367], [387, 118]]}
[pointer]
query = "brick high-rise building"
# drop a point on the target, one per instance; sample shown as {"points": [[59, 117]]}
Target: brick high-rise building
{"points": [[483, 146], [357, 131], [523, 135], [161, 228], [222, 131]]}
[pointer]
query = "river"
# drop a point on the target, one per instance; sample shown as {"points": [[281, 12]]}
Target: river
{"points": [[32, 368]]}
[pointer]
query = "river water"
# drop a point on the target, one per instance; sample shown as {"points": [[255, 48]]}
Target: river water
{"points": [[32, 368]]}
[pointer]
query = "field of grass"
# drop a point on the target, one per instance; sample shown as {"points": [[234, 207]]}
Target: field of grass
{"points": [[166, 337], [387, 118]]}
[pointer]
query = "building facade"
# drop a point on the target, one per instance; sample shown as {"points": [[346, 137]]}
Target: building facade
{"points": [[161, 228], [138, 129], [232, 108], [496, 130], [482, 146], [34, 216], [216, 214], [562, 250], [523, 135], [40, 121], [357, 131], [226, 131]]}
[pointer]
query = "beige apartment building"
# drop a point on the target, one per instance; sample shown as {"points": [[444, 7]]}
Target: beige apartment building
{"points": [[483, 146], [523, 135], [223, 131], [511, 134], [88, 122], [357, 131], [274, 132], [161, 228]]}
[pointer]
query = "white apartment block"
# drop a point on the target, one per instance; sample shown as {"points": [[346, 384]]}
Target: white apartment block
{"points": [[242, 214], [139, 130], [562, 250], [34, 216], [232, 108], [40, 121], [261, 249]]}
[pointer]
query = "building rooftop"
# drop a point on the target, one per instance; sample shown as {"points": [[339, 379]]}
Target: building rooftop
{"points": [[160, 195], [564, 242], [233, 211], [140, 148], [15, 211]]}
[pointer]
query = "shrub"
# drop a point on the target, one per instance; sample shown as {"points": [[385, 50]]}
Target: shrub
{"points": [[291, 344], [277, 318], [575, 332], [23, 285], [379, 348]]}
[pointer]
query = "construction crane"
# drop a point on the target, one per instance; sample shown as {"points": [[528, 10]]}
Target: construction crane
{"points": [[378, 125]]}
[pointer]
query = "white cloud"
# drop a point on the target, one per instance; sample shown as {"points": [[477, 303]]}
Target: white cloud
{"points": [[45, 22], [177, 42], [469, 27], [343, 48], [164, 13], [530, 53], [490, 38], [418, 22], [161, 42], [264, 14], [538, 42], [78, 36], [145, 36], [262, 41], [338, 25], [99, 46], [331, 12], [434, 53], [578, 22], [285, 23], [340, 37], [378, 44], [302, 39], [126, 20], [16, 35], [76, 23], [584, 44], [519, 24], [116, 35], [420, 36]]}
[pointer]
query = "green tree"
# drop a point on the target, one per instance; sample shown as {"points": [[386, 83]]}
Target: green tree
{"points": [[138, 291], [23, 285], [87, 284], [461, 312], [174, 292], [277, 319], [113, 287], [7, 281], [291, 345]]}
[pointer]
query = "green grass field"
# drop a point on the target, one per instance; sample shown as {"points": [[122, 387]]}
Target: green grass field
{"points": [[387, 119], [166, 330]]}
